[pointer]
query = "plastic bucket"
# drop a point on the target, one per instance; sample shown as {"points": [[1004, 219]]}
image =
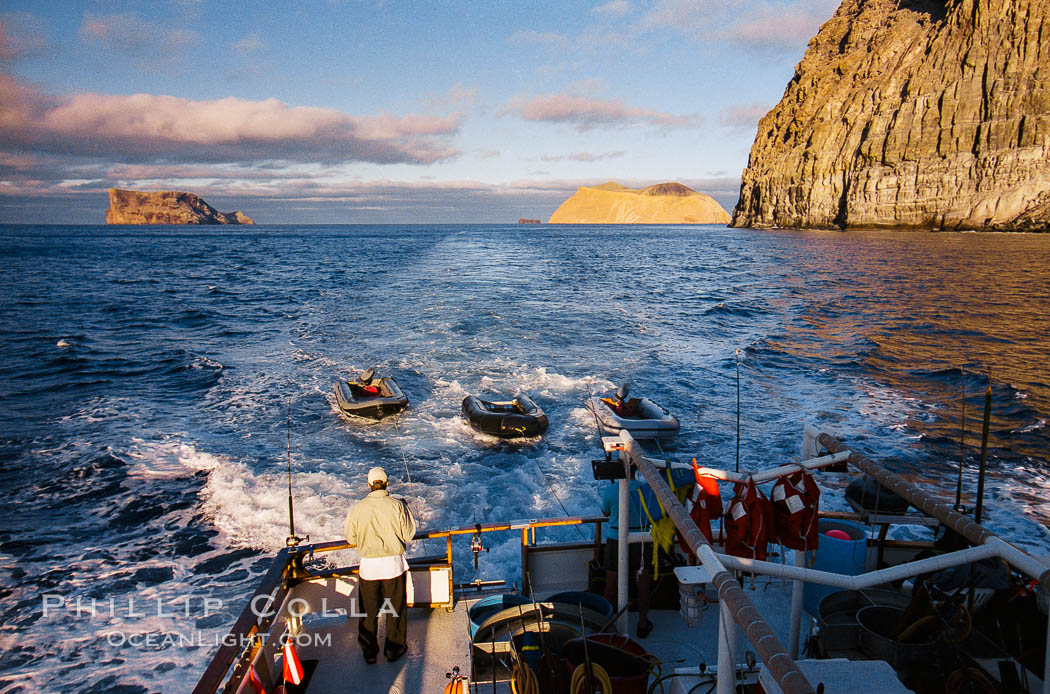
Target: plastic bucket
{"points": [[591, 601], [486, 607], [626, 674], [846, 557]]}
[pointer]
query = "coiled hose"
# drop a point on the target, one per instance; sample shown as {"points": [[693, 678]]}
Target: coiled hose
{"points": [[523, 680], [579, 680]]}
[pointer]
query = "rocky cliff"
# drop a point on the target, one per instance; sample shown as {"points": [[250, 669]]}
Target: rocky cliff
{"points": [[665, 203], [911, 113], [167, 207]]}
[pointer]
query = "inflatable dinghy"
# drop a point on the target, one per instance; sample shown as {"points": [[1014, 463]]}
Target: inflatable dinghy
{"points": [[370, 397], [518, 418], [640, 416]]}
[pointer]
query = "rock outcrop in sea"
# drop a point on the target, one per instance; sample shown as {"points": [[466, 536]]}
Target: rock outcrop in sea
{"points": [[665, 203], [911, 113], [166, 207]]}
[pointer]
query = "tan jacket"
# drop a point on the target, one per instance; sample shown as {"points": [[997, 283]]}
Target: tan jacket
{"points": [[380, 525]]}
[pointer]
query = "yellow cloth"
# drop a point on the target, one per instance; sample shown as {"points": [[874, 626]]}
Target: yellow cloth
{"points": [[662, 530]]}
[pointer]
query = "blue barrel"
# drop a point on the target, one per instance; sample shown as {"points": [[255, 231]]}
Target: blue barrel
{"points": [[834, 555], [493, 604]]}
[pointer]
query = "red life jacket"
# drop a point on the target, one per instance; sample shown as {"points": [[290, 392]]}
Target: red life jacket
{"points": [[796, 500], [707, 505], [748, 522], [371, 390]]}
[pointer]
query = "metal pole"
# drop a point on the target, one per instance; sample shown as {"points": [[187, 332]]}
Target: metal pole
{"points": [[962, 446], [738, 410], [796, 606], [728, 634], [1046, 661], [984, 450], [623, 530]]}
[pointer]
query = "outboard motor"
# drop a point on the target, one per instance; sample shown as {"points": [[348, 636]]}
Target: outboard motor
{"points": [[623, 391]]}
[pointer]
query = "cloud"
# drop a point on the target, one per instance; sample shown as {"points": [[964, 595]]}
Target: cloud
{"points": [[459, 95], [147, 127], [249, 45], [130, 33], [766, 26], [585, 113], [546, 38], [21, 35], [584, 156], [154, 47], [613, 9], [743, 116], [776, 24]]}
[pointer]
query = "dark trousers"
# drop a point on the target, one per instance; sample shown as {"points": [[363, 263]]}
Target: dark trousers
{"points": [[371, 595]]}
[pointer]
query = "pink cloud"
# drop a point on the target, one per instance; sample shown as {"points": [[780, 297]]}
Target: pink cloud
{"points": [[743, 115], [769, 26], [248, 45], [586, 113], [548, 37], [21, 35], [613, 9], [585, 156], [148, 127], [782, 25], [128, 32]]}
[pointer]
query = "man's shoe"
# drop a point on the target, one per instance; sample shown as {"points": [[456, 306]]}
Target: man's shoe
{"points": [[370, 659], [394, 655]]}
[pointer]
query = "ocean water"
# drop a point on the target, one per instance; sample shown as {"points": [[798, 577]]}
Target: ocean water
{"points": [[149, 376]]}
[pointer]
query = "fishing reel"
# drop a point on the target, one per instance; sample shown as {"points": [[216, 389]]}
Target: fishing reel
{"points": [[475, 544], [295, 540]]}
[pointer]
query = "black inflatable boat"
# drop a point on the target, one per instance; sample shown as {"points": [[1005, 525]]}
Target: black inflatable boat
{"points": [[518, 418], [370, 397]]}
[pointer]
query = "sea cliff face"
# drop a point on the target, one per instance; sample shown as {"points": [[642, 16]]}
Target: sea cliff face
{"points": [[166, 207], [918, 113], [665, 203]]}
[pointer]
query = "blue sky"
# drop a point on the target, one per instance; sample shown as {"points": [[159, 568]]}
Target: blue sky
{"points": [[373, 111]]}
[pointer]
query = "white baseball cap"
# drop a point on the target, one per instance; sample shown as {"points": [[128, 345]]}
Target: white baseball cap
{"points": [[376, 474]]}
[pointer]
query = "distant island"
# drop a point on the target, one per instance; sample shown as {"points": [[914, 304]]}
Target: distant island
{"points": [[665, 203], [166, 207], [523, 220]]}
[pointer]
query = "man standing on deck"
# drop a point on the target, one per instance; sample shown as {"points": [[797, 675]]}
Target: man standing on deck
{"points": [[381, 526]]}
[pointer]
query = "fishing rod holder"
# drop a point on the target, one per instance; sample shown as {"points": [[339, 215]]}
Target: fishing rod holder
{"points": [[475, 544]]}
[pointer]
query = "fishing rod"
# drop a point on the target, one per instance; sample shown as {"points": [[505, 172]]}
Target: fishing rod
{"points": [[292, 540], [738, 410], [962, 444], [984, 448]]}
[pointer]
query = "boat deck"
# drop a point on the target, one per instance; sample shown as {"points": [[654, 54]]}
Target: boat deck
{"points": [[437, 641]]}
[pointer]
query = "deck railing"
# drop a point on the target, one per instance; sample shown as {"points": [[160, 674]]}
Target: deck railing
{"points": [[737, 609]]}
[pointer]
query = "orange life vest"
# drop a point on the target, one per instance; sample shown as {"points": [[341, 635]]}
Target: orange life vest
{"points": [[748, 522], [707, 505], [796, 500]]}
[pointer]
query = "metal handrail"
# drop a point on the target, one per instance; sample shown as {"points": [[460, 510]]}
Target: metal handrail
{"points": [[988, 544], [772, 653]]}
